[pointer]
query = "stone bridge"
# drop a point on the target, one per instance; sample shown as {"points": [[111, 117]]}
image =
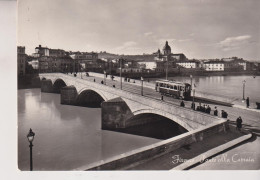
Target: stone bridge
{"points": [[121, 109]]}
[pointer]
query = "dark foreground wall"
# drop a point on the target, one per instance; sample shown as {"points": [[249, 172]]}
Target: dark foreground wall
{"points": [[157, 149]]}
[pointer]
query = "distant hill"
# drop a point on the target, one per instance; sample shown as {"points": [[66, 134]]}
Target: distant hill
{"points": [[109, 56], [146, 57]]}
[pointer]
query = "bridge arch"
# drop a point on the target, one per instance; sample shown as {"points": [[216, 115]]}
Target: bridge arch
{"points": [[58, 84], [95, 90], [166, 115], [90, 97], [153, 125]]}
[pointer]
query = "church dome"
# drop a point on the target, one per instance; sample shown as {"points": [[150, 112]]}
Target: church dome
{"points": [[166, 47]]}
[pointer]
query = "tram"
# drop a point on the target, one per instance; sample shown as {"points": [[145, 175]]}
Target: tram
{"points": [[175, 89]]}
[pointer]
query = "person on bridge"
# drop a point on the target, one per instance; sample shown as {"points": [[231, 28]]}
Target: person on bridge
{"points": [[162, 97], [193, 105], [205, 108], [216, 111], [182, 104], [94, 80], [239, 123], [208, 109], [224, 114], [102, 82], [199, 108], [247, 102]]}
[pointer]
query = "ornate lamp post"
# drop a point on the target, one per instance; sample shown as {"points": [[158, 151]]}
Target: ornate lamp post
{"points": [[244, 84], [30, 137], [142, 90]]}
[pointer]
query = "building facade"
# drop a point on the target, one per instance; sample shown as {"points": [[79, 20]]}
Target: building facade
{"points": [[214, 66], [21, 60], [189, 64]]}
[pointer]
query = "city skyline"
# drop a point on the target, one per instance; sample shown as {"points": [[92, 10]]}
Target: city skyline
{"points": [[199, 29]]}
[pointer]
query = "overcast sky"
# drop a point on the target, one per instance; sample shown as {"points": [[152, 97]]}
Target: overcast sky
{"points": [[197, 28]]}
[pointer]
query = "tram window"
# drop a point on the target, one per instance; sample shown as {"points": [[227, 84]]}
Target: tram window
{"points": [[167, 85], [160, 84], [171, 87], [175, 87]]}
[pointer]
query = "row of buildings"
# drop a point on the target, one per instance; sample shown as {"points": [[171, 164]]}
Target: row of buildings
{"points": [[46, 60], [160, 61]]}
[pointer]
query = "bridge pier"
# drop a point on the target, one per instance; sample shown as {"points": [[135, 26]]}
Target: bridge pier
{"points": [[46, 86], [68, 95], [114, 114]]}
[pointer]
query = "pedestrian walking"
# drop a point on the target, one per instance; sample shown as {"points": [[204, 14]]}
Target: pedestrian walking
{"points": [[215, 111], [94, 80], [239, 123], [162, 97], [182, 104], [102, 82], [224, 114], [193, 105], [247, 102], [208, 110], [203, 108], [199, 108]]}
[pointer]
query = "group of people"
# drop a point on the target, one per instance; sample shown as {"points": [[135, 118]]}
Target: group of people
{"points": [[205, 108]]}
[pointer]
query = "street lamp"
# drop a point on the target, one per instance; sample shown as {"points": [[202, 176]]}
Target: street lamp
{"points": [[244, 84], [120, 61], [191, 81], [105, 77], [167, 64], [193, 103], [142, 91], [30, 137]]}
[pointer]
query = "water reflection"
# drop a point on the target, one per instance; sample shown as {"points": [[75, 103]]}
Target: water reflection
{"points": [[67, 137]]}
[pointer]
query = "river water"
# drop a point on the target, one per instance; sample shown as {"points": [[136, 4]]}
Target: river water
{"points": [[67, 137], [225, 86]]}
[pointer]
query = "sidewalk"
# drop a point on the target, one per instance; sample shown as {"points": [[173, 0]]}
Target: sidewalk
{"points": [[186, 154], [249, 109]]}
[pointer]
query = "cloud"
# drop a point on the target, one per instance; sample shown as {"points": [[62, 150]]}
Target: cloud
{"points": [[129, 45], [191, 34], [184, 40], [148, 33], [232, 43]]}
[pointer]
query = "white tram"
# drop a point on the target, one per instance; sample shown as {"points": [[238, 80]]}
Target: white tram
{"points": [[173, 88]]}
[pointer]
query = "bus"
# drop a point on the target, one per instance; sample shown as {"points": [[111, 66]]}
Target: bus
{"points": [[175, 89]]}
